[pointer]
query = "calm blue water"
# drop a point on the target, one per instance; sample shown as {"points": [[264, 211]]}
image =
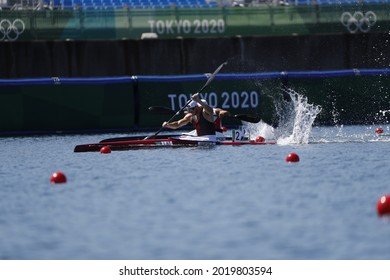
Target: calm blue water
{"points": [[196, 203]]}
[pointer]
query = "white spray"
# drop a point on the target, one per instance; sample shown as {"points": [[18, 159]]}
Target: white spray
{"points": [[296, 117]]}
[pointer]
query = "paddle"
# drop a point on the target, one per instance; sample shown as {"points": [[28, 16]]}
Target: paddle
{"points": [[161, 110], [242, 117], [248, 118], [209, 80]]}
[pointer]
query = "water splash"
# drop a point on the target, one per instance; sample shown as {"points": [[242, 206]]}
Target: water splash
{"points": [[296, 117], [259, 129], [300, 119]]}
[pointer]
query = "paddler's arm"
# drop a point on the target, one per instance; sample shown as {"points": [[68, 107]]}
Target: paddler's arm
{"points": [[208, 110], [177, 124], [221, 112]]}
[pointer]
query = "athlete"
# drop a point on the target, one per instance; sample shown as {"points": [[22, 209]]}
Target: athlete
{"points": [[202, 116]]}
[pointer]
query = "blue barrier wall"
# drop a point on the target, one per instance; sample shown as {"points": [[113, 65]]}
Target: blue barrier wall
{"points": [[77, 105]]}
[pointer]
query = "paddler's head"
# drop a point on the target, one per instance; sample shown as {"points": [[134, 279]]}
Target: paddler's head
{"points": [[192, 107]]}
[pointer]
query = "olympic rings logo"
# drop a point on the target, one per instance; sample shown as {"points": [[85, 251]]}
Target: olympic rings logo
{"points": [[11, 30], [358, 21]]}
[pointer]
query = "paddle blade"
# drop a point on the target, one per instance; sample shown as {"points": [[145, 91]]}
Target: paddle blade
{"points": [[212, 76], [161, 110], [248, 118]]}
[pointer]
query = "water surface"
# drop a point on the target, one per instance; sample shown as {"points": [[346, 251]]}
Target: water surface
{"points": [[196, 203]]}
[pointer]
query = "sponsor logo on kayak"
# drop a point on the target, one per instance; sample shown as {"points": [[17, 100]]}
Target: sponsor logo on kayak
{"points": [[164, 143]]}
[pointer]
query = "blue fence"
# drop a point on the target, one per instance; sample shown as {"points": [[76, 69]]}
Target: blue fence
{"points": [[199, 77], [120, 104]]}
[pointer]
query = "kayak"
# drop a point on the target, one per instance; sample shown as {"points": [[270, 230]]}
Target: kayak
{"points": [[221, 136], [127, 138], [158, 142]]}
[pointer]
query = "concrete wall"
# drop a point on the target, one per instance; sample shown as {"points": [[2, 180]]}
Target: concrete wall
{"points": [[193, 56]]}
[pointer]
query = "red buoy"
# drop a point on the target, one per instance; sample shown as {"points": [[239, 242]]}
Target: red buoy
{"points": [[292, 157], [379, 130], [260, 139], [57, 178], [105, 150], [383, 205]]}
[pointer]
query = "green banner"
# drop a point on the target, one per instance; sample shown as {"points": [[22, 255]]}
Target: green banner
{"points": [[236, 96], [112, 104], [193, 23], [347, 100], [66, 107]]}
